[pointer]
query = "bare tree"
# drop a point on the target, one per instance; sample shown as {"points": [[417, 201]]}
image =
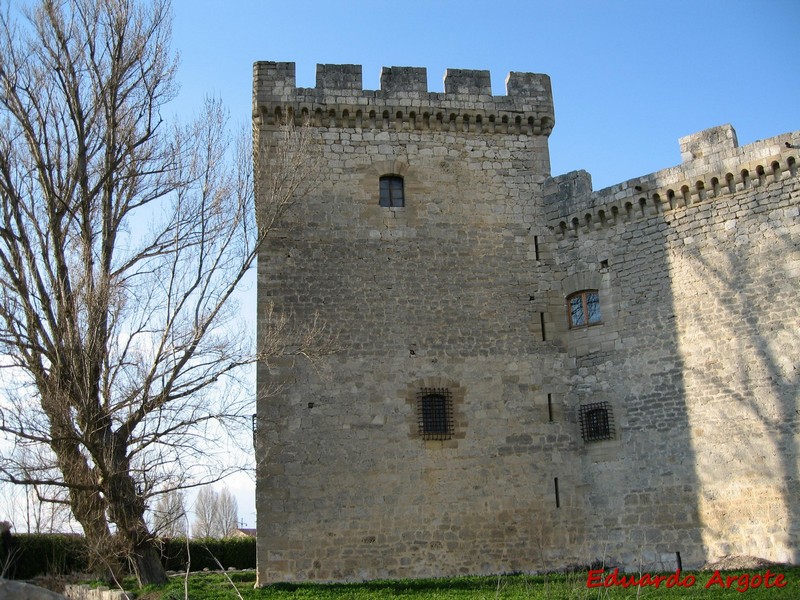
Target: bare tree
{"points": [[228, 513], [216, 514], [169, 515], [206, 515], [122, 241]]}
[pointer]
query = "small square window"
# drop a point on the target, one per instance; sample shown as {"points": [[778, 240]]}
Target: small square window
{"points": [[583, 308], [392, 193], [435, 413], [597, 422]]}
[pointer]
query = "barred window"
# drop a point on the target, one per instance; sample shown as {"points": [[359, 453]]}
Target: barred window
{"points": [[435, 413], [597, 421], [392, 193], [583, 308]]}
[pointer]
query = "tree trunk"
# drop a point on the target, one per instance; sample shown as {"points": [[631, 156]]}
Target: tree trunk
{"points": [[87, 504], [147, 563], [126, 509], [105, 560]]}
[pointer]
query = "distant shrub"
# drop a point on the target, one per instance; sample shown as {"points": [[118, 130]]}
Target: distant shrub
{"points": [[239, 553], [44, 554], [55, 554]]}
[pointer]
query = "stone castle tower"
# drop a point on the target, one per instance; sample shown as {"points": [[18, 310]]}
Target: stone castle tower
{"points": [[530, 374]]}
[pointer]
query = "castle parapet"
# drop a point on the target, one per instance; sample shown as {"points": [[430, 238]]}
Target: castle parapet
{"points": [[403, 100], [467, 82], [409, 80], [710, 144], [338, 78], [713, 164], [528, 85]]}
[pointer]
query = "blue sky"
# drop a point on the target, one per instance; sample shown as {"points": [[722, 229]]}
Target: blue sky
{"points": [[629, 78]]}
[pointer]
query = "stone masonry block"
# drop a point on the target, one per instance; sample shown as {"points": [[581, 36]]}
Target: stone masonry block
{"points": [[273, 79], [404, 79], [467, 82], [528, 85], [707, 142], [339, 77]]}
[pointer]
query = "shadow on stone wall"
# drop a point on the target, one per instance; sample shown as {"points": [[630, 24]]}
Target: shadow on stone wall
{"points": [[741, 346]]}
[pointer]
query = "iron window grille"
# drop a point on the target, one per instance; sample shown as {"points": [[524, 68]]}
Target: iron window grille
{"points": [[583, 308], [392, 192], [435, 413], [597, 422]]}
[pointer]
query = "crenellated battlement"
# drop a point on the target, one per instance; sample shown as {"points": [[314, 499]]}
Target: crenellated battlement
{"points": [[713, 165], [404, 102]]}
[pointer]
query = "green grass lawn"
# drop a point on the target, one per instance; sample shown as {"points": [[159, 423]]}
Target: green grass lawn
{"points": [[570, 586]]}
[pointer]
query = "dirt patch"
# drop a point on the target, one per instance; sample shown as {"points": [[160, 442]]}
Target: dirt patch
{"points": [[740, 563]]}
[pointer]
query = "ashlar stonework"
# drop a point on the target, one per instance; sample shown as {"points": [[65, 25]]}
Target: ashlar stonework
{"points": [[464, 427]]}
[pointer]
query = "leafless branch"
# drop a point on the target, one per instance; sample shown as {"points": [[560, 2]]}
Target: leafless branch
{"points": [[123, 240]]}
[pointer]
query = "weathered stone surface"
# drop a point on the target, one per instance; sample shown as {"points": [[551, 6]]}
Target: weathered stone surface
{"points": [[84, 592], [17, 590], [464, 289]]}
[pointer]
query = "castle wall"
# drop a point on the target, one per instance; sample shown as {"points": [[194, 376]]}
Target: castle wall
{"points": [[465, 289], [706, 347]]}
